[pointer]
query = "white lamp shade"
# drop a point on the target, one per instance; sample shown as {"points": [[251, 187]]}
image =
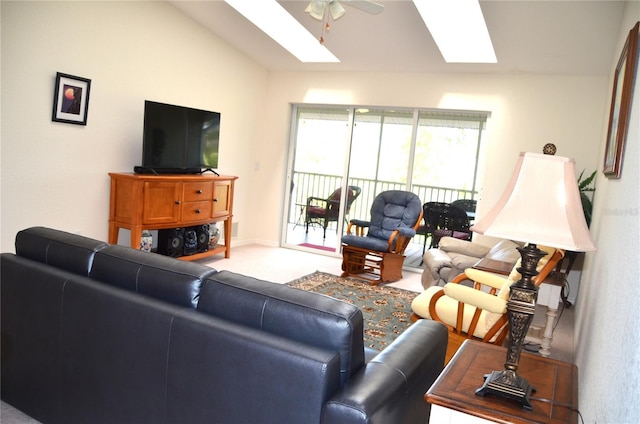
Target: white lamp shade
{"points": [[540, 205]]}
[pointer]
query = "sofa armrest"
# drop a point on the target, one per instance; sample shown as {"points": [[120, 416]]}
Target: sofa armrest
{"points": [[468, 248], [462, 262], [390, 388]]}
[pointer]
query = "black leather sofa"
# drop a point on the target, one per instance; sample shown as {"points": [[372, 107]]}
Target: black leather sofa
{"points": [[97, 333]]}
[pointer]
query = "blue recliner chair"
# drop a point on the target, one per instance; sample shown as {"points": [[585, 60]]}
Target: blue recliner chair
{"points": [[378, 255]]}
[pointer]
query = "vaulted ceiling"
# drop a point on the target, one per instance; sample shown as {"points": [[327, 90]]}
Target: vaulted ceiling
{"points": [[570, 37]]}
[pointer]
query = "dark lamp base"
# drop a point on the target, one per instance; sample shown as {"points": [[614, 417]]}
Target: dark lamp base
{"points": [[520, 309], [507, 383]]}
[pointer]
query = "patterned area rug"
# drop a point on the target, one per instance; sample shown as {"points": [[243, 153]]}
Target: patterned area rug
{"points": [[386, 310]]}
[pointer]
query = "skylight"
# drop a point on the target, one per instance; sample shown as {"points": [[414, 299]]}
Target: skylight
{"points": [[278, 24], [459, 29]]}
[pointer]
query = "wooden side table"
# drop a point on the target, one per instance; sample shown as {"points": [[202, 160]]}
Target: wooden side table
{"points": [[493, 266], [453, 399]]}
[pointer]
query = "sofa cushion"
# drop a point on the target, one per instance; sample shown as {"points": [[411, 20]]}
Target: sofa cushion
{"points": [[30, 307], [67, 251], [306, 317], [223, 372], [369, 243], [393, 209], [434, 261], [162, 277], [113, 348]]}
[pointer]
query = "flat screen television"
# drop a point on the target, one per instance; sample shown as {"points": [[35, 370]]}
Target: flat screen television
{"points": [[179, 140]]}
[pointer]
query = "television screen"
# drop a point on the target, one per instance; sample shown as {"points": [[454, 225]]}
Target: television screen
{"points": [[179, 139]]}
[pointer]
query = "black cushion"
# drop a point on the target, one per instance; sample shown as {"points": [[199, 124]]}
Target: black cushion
{"points": [[130, 358], [114, 347], [60, 249], [161, 277], [306, 317], [221, 372], [31, 306]]}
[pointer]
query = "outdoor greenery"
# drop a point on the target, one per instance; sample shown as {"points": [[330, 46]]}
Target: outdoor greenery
{"points": [[585, 186], [444, 154]]}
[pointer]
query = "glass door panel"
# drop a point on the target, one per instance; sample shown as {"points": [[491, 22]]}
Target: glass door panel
{"points": [[380, 151], [319, 159], [446, 153]]}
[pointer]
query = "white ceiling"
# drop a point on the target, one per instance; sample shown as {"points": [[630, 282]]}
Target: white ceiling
{"points": [[568, 37]]}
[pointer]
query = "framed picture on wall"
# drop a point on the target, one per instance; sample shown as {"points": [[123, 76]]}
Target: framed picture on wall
{"points": [[71, 99], [621, 106]]}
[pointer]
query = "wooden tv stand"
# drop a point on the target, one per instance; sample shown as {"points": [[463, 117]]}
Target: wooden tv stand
{"points": [[153, 202]]}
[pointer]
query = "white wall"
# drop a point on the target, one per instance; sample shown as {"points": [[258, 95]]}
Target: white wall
{"points": [[607, 337], [526, 113], [55, 174]]}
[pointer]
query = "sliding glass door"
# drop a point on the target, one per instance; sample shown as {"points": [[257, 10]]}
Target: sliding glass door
{"points": [[318, 163], [340, 158]]}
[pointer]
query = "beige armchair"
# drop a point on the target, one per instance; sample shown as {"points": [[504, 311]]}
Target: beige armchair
{"points": [[478, 312], [443, 263]]}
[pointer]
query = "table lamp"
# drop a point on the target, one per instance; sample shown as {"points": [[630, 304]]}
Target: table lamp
{"points": [[541, 205]]}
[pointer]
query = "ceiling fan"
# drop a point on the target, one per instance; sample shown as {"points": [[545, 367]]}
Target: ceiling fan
{"points": [[318, 8]]}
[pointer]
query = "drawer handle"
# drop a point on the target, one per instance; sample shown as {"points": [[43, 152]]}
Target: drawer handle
{"points": [[197, 210], [215, 199], [177, 202], [198, 191]]}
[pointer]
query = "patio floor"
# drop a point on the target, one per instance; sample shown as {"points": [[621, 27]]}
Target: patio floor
{"points": [[313, 241]]}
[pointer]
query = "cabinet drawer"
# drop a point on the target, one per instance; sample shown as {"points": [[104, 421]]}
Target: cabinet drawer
{"points": [[196, 191], [196, 211]]}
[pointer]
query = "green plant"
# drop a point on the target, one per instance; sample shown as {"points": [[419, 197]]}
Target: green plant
{"points": [[585, 186]]}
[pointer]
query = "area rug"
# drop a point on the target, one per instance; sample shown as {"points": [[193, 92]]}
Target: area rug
{"points": [[386, 310]]}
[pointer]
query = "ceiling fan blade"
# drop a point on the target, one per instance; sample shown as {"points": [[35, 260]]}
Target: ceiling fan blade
{"points": [[365, 5], [336, 10], [316, 9]]}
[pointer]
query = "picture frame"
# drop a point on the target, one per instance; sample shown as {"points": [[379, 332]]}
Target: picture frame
{"points": [[621, 106], [71, 99]]}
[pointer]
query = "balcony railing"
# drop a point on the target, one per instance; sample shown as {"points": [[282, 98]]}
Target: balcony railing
{"points": [[320, 185]]}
